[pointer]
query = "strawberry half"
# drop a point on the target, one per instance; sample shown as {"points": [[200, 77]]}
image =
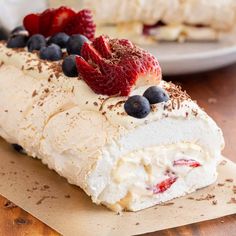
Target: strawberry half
{"points": [[115, 66], [81, 23], [31, 23], [164, 185], [187, 162], [62, 19]]}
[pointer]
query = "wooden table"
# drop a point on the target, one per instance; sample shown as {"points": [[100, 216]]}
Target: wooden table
{"points": [[216, 93]]}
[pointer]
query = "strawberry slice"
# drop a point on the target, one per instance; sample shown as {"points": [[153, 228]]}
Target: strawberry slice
{"points": [[45, 22], [61, 17], [114, 67], [164, 185], [187, 162], [81, 23], [31, 23]]}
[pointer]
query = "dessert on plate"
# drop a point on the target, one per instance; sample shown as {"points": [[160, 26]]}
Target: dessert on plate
{"points": [[98, 112], [151, 20]]}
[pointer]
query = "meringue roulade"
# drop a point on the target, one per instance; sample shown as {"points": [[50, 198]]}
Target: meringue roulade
{"points": [[127, 138], [169, 20]]}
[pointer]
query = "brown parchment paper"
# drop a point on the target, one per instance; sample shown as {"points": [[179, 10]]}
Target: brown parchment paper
{"points": [[67, 209]]}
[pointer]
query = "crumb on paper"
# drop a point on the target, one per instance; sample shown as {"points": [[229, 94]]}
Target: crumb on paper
{"points": [[212, 100]]}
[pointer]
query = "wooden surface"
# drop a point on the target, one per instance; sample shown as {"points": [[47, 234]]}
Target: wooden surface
{"points": [[216, 93]]}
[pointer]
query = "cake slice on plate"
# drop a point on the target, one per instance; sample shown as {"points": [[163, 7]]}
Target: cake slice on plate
{"points": [[170, 20], [105, 120]]}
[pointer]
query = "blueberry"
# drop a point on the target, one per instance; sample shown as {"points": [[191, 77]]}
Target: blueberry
{"points": [[18, 148], [137, 106], [19, 30], [17, 41], [60, 39], [36, 42], [155, 94], [52, 53], [69, 66], [75, 44]]}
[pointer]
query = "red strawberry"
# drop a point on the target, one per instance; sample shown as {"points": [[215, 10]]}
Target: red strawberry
{"points": [[113, 67], [45, 22], [31, 23], [81, 23], [185, 162], [164, 185], [61, 17]]}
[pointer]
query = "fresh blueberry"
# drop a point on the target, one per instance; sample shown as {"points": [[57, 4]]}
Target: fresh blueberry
{"points": [[18, 148], [36, 42], [69, 66], [52, 53], [75, 44], [17, 41], [137, 106], [155, 94], [18, 30], [60, 39]]}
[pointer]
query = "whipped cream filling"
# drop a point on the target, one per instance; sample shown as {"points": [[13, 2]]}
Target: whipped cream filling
{"points": [[84, 136]]}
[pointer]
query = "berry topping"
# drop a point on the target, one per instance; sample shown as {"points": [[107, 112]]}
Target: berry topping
{"points": [[52, 53], [19, 30], [137, 106], [60, 39], [155, 94], [187, 162], [164, 185], [36, 42], [63, 19], [115, 66], [17, 41], [69, 66], [31, 23], [75, 44], [82, 23]]}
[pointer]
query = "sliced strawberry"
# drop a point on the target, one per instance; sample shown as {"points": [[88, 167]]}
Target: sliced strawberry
{"points": [[102, 47], [164, 185], [187, 162], [31, 23], [118, 64], [81, 23], [61, 17], [45, 22]]}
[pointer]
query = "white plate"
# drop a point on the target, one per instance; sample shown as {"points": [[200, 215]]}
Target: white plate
{"points": [[190, 57]]}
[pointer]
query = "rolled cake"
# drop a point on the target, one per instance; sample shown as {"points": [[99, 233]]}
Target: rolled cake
{"points": [[103, 118], [144, 21]]}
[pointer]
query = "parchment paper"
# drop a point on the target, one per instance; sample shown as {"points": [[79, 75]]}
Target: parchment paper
{"points": [[68, 210]]}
